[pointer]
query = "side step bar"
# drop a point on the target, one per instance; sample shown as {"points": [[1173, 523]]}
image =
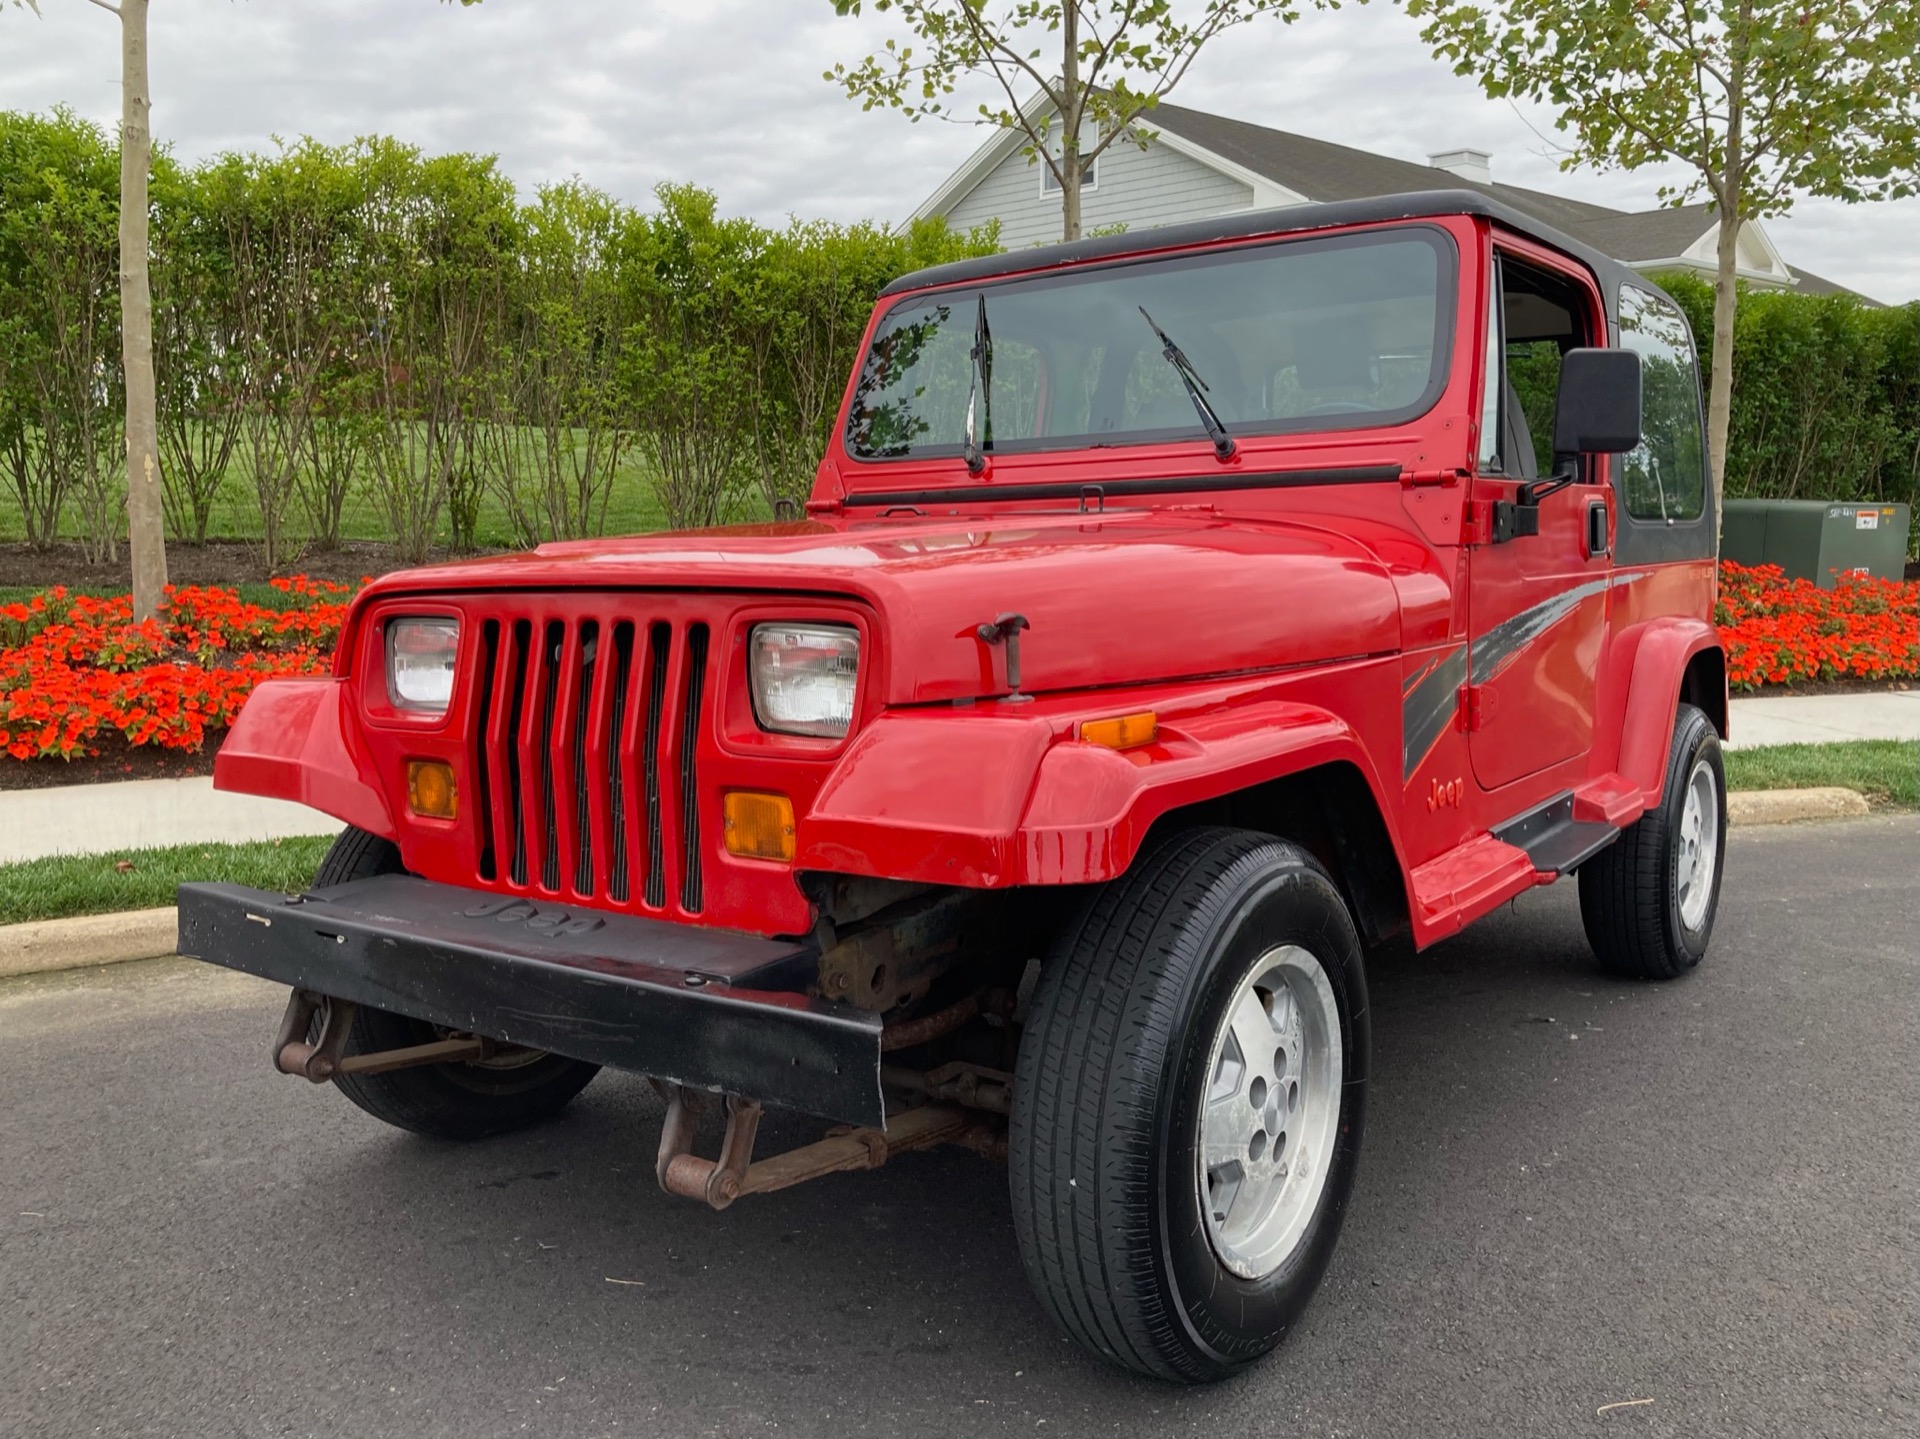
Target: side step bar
{"points": [[1554, 840]]}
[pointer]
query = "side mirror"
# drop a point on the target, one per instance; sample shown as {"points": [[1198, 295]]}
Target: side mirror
{"points": [[1597, 409], [1596, 412]]}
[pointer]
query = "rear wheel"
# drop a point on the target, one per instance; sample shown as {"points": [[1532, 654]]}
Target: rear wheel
{"points": [[1188, 1105], [467, 1100], [1649, 899]]}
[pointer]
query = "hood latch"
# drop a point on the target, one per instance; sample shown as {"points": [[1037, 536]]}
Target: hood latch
{"points": [[1006, 630]]}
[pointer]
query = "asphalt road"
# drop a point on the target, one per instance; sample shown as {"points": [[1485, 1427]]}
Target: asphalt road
{"points": [[1576, 1193]]}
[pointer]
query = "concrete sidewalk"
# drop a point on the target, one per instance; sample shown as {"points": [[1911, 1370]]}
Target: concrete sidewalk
{"points": [[1823, 719], [142, 814]]}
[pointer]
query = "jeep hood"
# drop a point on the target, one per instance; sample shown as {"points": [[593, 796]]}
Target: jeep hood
{"points": [[1111, 599]]}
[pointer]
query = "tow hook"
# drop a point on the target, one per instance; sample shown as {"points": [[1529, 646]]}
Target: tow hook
{"points": [[717, 1183], [325, 1058]]}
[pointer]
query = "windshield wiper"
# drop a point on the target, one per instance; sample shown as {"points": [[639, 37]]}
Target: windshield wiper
{"points": [[973, 448], [1223, 444]]}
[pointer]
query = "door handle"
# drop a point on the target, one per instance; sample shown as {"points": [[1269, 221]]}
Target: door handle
{"points": [[1597, 536]]}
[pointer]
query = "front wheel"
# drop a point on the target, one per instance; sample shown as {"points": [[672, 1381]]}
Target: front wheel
{"points": [[1649, 899], [462, 1100], [1188, 1106]]}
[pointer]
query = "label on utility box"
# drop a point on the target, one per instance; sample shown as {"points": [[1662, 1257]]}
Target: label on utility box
{"points": [[1867, 520]]}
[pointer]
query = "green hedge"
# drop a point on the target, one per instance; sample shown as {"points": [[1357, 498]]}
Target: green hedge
{"points": [[1826, 393], [367, 330]]}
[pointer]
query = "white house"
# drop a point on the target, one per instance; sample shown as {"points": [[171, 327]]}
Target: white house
{"points": [[1196, 165]]}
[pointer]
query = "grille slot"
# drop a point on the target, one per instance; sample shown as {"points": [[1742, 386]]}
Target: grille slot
{"points": [[509, 743], [489, 653], [689, 779], [653, 872], [585, 737], [550, 654], [582, 705], [617, 771]]}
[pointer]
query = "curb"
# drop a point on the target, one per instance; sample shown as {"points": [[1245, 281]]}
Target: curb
{"points": [[152, 933], [1788, 806], [51, 944]]}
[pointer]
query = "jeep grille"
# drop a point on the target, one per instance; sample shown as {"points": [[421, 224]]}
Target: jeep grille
{"points": [[585, 734]]}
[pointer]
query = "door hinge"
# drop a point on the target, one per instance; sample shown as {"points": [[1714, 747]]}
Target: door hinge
{"points": [[1410, 478], [1476, 707]]}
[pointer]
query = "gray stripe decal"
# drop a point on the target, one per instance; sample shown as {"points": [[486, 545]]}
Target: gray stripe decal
{"points": [[1429, 707], [1412, 681], [1430, 694], [1495, 649]]}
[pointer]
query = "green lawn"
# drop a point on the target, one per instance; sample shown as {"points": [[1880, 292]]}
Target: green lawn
{"points": [[633, 509], [1886, 771], [95, 884]]}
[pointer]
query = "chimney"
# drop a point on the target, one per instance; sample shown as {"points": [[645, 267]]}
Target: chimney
{"points": [[1474, 165]]}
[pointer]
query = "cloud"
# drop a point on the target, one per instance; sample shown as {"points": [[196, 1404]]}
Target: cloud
{"points": [[728, 94]]}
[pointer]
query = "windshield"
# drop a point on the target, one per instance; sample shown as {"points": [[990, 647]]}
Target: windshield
{"points": [[1331, 333]]}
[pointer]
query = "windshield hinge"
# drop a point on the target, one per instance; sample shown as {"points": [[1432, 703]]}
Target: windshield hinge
{"points": [[1495, 522], [1411, 478]]}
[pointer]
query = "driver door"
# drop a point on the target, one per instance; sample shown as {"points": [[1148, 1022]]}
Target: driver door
{"points": [[1537, 603]]}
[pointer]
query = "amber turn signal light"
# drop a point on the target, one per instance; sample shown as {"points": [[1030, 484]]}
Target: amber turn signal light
{"points": [[1121, 731], [430, 790], [758, 826]]}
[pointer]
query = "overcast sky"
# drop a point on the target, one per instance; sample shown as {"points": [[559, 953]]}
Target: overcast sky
{"points": [[728, 93]]}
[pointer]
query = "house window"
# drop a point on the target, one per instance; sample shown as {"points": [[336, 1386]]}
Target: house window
{"points": [[1089, 177]]}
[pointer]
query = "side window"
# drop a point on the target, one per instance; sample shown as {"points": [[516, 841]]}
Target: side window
{"points": [[1665, 479], [1537, 316], [1490, 397]]}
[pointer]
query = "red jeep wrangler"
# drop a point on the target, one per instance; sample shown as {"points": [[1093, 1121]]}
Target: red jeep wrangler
{"points": [[1178, 619]]}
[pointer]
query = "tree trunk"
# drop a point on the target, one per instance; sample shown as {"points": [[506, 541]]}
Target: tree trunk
{"points": [[147, 538], [1726, 297], [1070, 114]]}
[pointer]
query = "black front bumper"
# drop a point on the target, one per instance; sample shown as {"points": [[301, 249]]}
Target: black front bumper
{"points": [[708, 1008]]}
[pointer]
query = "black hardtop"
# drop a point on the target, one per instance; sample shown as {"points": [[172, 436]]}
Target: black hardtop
{"points": [[1286, 220]]}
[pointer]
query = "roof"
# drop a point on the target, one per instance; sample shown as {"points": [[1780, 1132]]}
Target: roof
{"points": [[1808, 283], [1290, 219], [1321, 171]]}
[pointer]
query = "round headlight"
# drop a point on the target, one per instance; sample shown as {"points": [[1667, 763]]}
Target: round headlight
{"points": [[803, 677]]}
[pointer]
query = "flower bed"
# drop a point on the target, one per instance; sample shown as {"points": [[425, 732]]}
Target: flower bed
{"points": [[1780, 631], [74, 669]]}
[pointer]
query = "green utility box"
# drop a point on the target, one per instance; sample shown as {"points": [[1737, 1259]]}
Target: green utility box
{"points": [[1817, 540]]}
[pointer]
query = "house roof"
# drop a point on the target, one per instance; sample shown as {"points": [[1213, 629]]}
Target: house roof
{"points": [[1321, 171], [1663, 234], [1812, 284]]}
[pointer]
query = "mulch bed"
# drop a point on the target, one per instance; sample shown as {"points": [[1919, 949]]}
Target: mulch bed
{"points": [[1828, 687], [117, 760], [218, 562]]}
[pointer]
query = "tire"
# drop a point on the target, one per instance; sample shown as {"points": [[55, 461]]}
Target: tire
{"points": [[1131, 1029], [444, 1101], [1649, 899]]}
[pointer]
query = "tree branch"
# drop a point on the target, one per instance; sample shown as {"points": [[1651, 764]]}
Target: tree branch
{"points": [[988, 41], [113, 10]]}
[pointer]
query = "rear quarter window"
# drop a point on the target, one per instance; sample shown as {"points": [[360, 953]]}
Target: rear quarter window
{"points": [[1665, 479]]}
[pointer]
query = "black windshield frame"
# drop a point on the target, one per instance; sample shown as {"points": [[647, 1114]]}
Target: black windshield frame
{"points": [[961, 295]]}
